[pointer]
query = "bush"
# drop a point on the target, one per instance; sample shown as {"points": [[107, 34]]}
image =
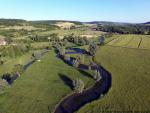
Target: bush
{"points": [[18, 69], [3, 85], [2, 61], [78, 85]]}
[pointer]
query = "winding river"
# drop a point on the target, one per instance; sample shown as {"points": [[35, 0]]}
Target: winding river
{"points": [[75, 101]]}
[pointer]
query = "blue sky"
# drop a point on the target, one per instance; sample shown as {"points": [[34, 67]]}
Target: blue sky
{"points": [[81, 10]]}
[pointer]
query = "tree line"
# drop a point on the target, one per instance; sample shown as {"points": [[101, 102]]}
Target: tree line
{"points": [[125, 29]]}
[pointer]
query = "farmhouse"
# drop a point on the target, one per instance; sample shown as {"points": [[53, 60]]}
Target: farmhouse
{"points": [[2, 41]]}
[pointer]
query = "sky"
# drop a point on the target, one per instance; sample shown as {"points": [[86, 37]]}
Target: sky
{"points": [[134, 11]]}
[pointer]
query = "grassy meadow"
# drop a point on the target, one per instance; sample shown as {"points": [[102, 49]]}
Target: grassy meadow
{"points": [[8, 66], [41, 87], [130, 78]]}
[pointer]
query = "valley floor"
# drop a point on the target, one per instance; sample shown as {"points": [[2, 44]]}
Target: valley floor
{"points": [[41, 87]]}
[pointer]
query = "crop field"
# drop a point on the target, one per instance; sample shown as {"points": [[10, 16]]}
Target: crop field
{"points": [[131, 41], [145, 44], [130, 81], [107, 40], [41, 87], [134, 43], [124, 41], [114, 41]]}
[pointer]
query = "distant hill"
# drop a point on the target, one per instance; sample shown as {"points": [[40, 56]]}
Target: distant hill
{"points": [[50, 22], [147, 23], [19, 22], [12, 22], [56, 21], [106, 23]]}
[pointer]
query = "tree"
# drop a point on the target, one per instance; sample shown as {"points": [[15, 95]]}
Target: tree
{"points": [[78, 85], [101, 40], [67, 57], [91, 62], [76, 40], [1, 59], [3, 85], [62, 51], [92, 49], [18, 69], [82, 41], [75, 63], [97, 75], [65, 42], [54, 37]]}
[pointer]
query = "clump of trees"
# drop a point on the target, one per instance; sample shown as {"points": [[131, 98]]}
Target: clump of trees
{"points": [[92, 49], [78, 85], [79, 60], [80, 41], [44, 38], [101, 40], [76, 63], [18, 69], [97, 75], [2, 59]]}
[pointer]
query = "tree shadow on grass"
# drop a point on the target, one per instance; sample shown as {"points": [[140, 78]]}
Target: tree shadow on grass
{"points": [[67, 81], [85, 73]]}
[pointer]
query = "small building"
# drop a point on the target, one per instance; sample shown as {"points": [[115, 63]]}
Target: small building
{"points": [[2, 41]]}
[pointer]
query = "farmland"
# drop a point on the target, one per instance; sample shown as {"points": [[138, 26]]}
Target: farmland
{"points": [[130, 77], [49, 79], [130, 41]]}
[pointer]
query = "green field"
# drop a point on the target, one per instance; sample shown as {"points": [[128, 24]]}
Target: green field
{"points": [[130, 80], [130, 41], [40, 88], [145, 43], [76, 32], [8, 66]]}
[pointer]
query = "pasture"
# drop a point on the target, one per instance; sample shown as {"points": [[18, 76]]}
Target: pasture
{"points": [[130, 41], [7, 67], [42, 86], [130, 76]]}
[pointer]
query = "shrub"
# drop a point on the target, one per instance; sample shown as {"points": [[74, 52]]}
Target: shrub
{"points": [[18, 69], [97, 75], [3, 85], [78, 85], [92, 49]]}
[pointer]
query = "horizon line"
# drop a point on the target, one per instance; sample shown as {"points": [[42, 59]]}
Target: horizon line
{"points": [[73, 20]]}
